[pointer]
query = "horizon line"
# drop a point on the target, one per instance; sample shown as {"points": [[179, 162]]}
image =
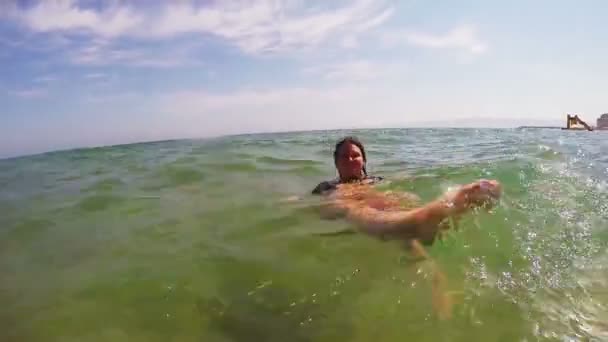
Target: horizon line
{"points": [[155, 141]]}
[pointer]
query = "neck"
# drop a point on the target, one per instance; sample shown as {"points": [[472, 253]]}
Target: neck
{"points": [[352, 178]]}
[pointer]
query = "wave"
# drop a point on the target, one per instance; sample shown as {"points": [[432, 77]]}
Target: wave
{"points": [[105, 185], [282, 161], [232, 166], [99, 202]]}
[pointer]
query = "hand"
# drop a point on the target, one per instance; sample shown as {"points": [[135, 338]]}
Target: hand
{"points": [[483, 193]]}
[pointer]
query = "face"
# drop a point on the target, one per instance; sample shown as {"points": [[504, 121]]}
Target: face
{"points": [[350, 161]]}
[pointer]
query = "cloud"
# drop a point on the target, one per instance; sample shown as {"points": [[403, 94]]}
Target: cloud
{"points": [[29, 93], [350, 42], [95, 75], [46, 79], [357, 70], [256, 27], [101, 51], [66, 15], [460, 37], [10, 43], [20, 42], [266, 26], [353, 71], [113, 98]]}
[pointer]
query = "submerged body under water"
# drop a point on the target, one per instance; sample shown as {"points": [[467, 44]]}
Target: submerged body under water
{"points": [[194, 241]]}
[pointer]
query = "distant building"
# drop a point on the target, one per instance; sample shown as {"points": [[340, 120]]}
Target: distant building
{"points": [[602, 122]]}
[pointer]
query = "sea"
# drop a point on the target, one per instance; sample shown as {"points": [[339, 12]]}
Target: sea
{"points": [[221, 240]]}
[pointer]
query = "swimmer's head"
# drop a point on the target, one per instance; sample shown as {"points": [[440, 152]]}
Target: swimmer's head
{"points": [[350, 159]]}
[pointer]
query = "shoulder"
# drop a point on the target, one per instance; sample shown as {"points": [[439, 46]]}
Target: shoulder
{"points": [[324, 187], [373, 179]]}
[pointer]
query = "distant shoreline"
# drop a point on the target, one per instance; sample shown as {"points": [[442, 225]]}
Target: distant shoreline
{"points": [[540, 127], [68, 149]]}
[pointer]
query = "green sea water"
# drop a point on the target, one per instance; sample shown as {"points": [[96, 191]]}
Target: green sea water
{"points": [[193, 240]]}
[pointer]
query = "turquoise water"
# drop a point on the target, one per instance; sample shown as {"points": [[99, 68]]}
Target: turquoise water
{"points": [[194, 241]]}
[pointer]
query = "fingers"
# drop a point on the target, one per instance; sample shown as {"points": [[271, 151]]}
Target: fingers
{"points": [[492, 187], [482, 192]]}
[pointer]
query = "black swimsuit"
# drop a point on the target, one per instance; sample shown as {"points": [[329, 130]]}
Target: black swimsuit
{"points": [[332, 185]]}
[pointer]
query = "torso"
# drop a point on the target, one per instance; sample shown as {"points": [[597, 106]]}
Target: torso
{"points": [[327, 187], [364, 193]]}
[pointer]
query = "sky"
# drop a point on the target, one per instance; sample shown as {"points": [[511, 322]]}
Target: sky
{"points": [[89, 73]]}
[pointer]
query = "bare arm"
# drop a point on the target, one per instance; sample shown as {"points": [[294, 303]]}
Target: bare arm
{"points": [[420, 223]]}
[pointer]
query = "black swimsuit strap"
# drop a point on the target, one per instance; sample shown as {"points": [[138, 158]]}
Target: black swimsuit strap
{"points": [[333, 184]]}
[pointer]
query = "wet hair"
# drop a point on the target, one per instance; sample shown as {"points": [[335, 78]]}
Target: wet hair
{"points": [[355, 141]]}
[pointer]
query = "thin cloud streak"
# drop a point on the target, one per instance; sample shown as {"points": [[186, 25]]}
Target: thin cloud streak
{"points": [[255, 27], [460, 37], [33, 93]]}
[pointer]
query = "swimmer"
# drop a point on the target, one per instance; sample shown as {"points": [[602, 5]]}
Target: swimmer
{"points": [[389, 215]]}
